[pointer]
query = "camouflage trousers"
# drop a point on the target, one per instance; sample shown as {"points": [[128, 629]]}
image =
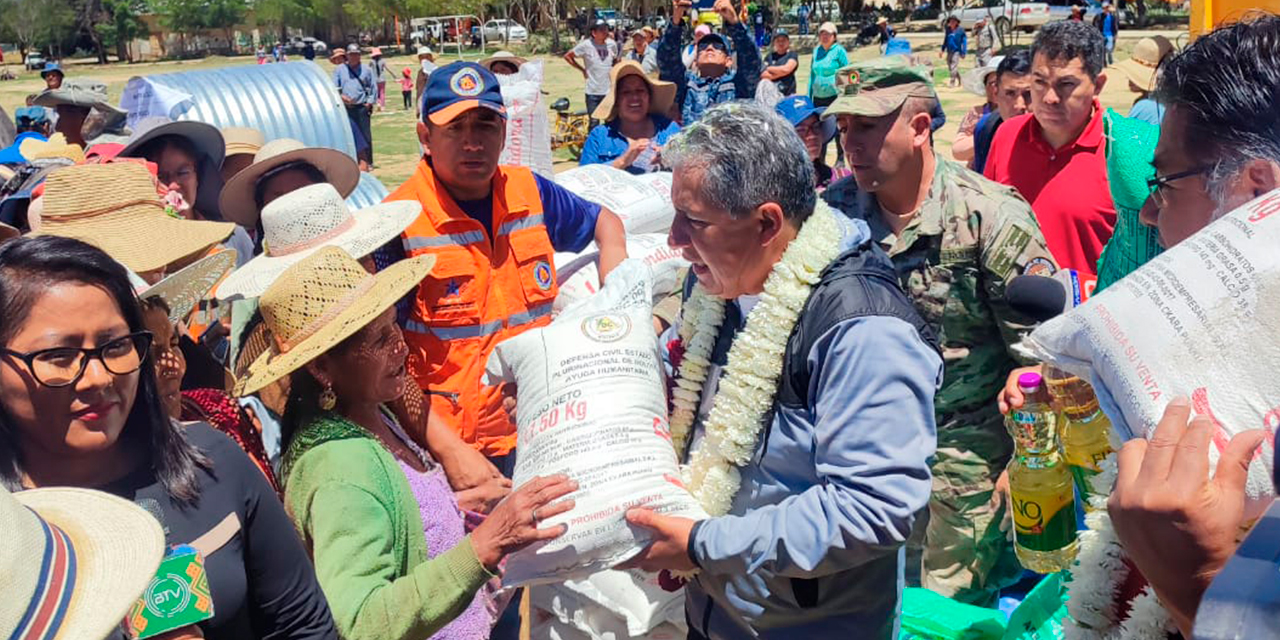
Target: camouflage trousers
{"points": [[968, 555]]}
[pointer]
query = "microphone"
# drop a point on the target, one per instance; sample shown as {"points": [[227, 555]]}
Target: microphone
{"points": [[1037, 297]]}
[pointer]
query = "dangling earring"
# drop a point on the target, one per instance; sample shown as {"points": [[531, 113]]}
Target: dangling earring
{"points": [[328, 399]]}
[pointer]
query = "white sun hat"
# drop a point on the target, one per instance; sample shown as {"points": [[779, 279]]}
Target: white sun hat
{"points": [[73, 561], [300, 222]]}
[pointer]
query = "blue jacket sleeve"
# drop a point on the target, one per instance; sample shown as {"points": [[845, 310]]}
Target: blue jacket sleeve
{"points": [[964, 43], [747, 71], [874, 432], [670, 65], [592, 148]]}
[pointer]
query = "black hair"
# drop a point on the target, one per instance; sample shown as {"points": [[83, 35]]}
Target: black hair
{"points": [[1226, 85], [510, 65], [29, 266], [1068, 40], [303, 404], [153, 148], [314, 174], [25, 124], [1017, 63]]}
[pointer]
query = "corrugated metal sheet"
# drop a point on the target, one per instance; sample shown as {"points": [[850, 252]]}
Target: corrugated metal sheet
{"points": [[285, 100]]}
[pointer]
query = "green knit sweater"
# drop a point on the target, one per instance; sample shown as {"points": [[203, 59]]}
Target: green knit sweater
{"points": [[355, 511]]}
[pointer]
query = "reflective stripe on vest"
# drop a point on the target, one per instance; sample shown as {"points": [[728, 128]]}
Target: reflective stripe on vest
{"points": [[479, 330], [448, 239], [526, 222]]}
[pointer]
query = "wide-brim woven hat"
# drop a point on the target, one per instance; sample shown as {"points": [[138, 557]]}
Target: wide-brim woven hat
{"points": [[661, 93], [975, 80], [237, 203], [114, 207], [321, 301], [55, 147], [241, 140], [183, 290], [86, 555], [1140, 68], [301, 222], [502, 56]]}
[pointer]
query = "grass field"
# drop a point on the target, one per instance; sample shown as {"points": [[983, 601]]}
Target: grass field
{"points": [[395, 140]]}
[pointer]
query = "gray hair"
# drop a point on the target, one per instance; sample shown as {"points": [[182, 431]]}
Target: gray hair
{"points": [[748, 155]]}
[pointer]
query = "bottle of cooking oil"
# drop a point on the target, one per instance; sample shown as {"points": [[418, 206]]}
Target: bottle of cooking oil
{"points": [[1040, 486], [1086, 431]]}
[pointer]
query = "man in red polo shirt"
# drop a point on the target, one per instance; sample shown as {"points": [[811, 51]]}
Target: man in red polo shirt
{"points": [[1055, 156]]}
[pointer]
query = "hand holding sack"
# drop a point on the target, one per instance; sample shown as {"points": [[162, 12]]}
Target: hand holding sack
{"points": [[591, 405]]}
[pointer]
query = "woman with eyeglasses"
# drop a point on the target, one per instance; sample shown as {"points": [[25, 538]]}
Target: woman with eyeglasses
{"points": [[79, 407]]}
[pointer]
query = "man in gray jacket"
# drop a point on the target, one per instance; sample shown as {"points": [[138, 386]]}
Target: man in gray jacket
{"points": [[812, 461]]}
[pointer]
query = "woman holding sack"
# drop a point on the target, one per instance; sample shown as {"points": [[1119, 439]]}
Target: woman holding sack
{"points": [[635, 125], [384, 528], [79, 407]]}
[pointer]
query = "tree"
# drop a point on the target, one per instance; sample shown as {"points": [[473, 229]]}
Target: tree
{"points": [[122, 25], [36, 23], [224, 15]]}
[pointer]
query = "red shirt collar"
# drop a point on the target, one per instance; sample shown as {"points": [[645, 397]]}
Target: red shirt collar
{"points": [[1090, 138]]}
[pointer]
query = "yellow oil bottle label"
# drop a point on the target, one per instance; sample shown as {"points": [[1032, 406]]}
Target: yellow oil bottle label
{"points": [[1045, 522]]}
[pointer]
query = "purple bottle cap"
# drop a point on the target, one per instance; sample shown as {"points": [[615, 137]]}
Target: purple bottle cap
{"points": [[1030, 381]]}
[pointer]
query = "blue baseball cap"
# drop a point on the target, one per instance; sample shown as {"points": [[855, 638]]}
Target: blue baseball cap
{"points": [[459, 87], [796, 109], [51, 67]]}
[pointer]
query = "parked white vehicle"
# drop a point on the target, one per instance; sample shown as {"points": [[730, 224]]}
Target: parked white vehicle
{"points": [[503, 29], [1003, 14]]}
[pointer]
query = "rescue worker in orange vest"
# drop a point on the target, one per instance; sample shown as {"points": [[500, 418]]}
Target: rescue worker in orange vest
{"points": [[494, 231]]}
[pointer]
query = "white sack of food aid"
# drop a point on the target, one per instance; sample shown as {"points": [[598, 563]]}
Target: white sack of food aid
{"points": [[598, 625], [643, 202], [580, 276], [528, 127], [1201, 321], [621, 604], [590, 403]]}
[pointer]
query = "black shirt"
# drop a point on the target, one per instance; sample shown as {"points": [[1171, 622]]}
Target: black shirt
{"points": [[262, 580], [786, 84]]}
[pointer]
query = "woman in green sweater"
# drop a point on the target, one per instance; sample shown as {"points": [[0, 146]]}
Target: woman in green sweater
{"points": [[383, 527]]}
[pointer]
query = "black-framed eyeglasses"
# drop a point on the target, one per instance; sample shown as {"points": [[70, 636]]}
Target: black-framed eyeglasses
{"points": [[63, 366], [1157, 184]]}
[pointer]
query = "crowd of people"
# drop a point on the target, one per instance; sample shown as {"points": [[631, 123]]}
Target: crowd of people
{"points": [[205, 351]]}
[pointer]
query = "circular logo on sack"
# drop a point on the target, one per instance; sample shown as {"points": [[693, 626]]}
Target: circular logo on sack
{"points": [[542, 275], [466, 82], [606, 327]]}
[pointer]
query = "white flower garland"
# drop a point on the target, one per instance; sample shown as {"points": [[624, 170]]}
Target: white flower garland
{"points": [[750, 379], [1098, 573]]}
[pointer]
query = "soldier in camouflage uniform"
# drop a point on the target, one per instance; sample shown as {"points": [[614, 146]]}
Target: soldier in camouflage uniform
{"points": [[955, 251]]}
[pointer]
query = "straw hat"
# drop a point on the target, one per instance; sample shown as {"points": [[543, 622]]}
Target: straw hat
{"points": [[114, 544], [184, 289], [829, 27], [114, 207], [207, 141], [237, 203], [338, 56], [1141, 67], [320, 302], [975, 80], [55, 147], [425, 52], [240, 140], [662, 94], [300, 222], [502, 56]]}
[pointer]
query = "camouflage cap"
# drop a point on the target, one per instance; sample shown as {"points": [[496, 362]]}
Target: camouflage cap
{"points": [[879, 87]]}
